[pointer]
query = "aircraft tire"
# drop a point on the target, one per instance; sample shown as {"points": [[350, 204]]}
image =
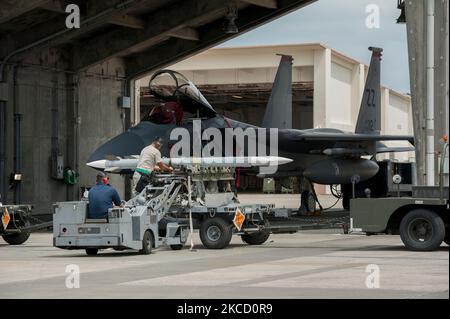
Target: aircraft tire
{"points": [[422, 230]]}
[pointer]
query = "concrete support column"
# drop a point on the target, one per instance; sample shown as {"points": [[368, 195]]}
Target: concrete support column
{"points": [[3, 99], [441, 79], [17, 156], [72, 131], [3, 151], [419, 29], [430, 151], [415, 27]]}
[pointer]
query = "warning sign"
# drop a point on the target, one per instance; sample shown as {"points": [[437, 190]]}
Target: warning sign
{"points": [[5, 218], [238, 219]]}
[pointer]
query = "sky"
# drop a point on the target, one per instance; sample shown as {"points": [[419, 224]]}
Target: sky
{"points": [[341, 25]]}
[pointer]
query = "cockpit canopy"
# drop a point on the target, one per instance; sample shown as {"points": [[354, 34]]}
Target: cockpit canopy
{"points": [[170, 85]]}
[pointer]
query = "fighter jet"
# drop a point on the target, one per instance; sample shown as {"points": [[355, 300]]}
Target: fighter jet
{"points": [[322, 155]]}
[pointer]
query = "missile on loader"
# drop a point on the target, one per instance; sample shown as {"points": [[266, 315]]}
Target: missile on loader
{"points": [[128, 165]]}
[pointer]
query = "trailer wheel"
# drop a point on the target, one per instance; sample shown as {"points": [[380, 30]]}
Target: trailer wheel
{"points": [[176, 247], [91, 251], [147, 243], [422, 230], [18, 238], [215, 233], [256, 238]]}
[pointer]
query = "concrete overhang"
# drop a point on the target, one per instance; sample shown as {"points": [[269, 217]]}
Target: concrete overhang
{"points": [[147, 34]]}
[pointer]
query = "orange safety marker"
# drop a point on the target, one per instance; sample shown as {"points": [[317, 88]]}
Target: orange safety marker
{"points": [[238, 219], [5, 218]]}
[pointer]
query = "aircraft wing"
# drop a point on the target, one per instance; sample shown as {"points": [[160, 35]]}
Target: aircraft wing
{"points": [[342, 144], [353, 137], [383, 148]]}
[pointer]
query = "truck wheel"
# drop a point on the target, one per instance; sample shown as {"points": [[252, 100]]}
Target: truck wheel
{"points": [[215, 233], [256, 238], [422, 230], [176, 247], [91, 251], [147, 243], [18, 238]]}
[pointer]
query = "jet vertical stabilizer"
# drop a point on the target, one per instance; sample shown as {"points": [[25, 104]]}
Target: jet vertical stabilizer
{"points": [[279, 108], [369, 118]]}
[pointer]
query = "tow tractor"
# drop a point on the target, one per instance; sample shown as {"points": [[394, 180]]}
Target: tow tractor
{"points": [[129, 227], [164, 213], [421, 220]]}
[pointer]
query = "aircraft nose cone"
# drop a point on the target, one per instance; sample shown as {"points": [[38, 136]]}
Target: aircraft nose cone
{"points": [[122, 145]]}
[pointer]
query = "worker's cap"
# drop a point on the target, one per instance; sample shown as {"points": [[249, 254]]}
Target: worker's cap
{"points": [[101, 174], [158, 139]]}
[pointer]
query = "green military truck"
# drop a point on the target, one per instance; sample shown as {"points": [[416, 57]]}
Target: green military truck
{"points": [[422, 221]]}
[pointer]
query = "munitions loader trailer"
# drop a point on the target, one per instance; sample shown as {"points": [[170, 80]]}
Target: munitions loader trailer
{"points": [[163, 213]]}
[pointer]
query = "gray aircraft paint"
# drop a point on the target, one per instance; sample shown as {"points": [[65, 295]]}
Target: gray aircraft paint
{"points": [[369, 117]]}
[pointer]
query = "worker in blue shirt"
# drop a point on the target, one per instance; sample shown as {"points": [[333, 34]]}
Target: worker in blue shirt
{"points": [[101, 198]]}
